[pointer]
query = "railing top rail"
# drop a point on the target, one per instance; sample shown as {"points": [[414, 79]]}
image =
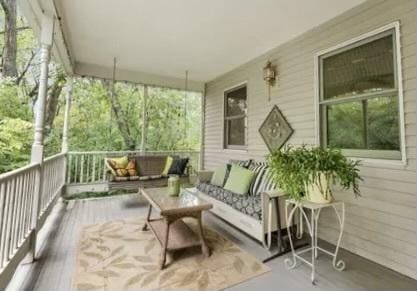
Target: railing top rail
{"points": [[132, 152], [21, 170], [54, 157]]}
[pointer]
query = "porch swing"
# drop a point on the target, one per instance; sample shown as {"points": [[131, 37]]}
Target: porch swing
{"points": [[148, 167]]}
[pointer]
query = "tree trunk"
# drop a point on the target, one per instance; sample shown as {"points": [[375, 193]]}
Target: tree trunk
{"points": [[122, 122], [52, 102], [9, 65]]}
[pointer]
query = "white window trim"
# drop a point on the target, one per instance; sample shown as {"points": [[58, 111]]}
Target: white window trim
{"points": [[367, 161], [224, 147]]}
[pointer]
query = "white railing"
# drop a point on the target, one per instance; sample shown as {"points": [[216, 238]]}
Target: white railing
{"points": [[52, 181], [17, 211], [25, 202], [27, 195], [88, 167]]}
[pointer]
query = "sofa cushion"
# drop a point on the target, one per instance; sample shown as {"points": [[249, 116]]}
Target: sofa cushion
{"points": [[109, 166], [118, 178], [259, 169], [239, 180], [119, 163], [168, 165], [249, 205], [178, 166], [131, 168], [219, 175], [242, 163], [263, 181]]}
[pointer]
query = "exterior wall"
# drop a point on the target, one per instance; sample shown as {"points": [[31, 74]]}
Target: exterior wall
{"points": [[381, 225]]}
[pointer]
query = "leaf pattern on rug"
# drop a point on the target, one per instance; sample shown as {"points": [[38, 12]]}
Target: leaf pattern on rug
{"points": [[238, 264], [189, 278], [135, 279], [143, 259], [116, 255]]}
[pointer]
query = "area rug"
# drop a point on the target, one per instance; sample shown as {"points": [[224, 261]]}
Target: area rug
{"points": [[118, 255]]}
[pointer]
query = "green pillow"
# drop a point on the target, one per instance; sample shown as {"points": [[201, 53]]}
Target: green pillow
{"points": [[218, 176], [239, 180], [168, 165]]}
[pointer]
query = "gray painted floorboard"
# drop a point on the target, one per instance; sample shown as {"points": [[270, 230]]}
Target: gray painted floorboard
{"points": [[58, 240]]}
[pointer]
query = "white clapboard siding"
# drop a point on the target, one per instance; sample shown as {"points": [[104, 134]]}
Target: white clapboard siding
{"points": [[381, 225]]}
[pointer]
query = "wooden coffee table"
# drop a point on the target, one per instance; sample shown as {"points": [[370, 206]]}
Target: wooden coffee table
{"points": [[170, 230]]}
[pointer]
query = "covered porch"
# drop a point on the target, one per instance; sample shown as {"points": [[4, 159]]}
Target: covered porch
{"points": [[58, 243], [40, 232]]}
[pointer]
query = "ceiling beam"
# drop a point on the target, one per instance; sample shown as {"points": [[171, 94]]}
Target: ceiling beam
{"points": [[90, 70]]}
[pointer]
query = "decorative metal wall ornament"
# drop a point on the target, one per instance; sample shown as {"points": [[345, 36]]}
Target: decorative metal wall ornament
{"points": [[275, 130]]}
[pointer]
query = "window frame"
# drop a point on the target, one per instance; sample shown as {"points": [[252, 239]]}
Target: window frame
{"points": [[226, 118], [394, 157]]}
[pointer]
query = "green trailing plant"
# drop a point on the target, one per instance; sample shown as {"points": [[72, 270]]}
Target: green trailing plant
{"points": [[295, 168]]}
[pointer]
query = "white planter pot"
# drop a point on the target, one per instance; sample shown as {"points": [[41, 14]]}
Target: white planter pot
{"points": [[320, 191]]}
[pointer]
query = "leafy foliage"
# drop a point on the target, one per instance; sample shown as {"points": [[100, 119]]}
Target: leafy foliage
{"points": [[295, 168], [173, 116], [15, 143]]}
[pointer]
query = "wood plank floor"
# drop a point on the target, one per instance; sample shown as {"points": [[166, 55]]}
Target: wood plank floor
{"points": [[59, 238]]}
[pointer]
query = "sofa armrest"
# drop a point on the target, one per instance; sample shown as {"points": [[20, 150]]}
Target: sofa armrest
{"points": [[204, 176]]}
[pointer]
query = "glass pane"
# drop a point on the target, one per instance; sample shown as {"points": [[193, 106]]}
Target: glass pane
{"points": [[345, 128], [364, 69], [369, 124], [236, 132], [383, 123], [236, 102]]}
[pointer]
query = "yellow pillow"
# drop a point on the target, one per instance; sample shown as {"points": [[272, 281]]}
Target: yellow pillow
{"points": [[120, 162], [168, 164], [131, 168]]}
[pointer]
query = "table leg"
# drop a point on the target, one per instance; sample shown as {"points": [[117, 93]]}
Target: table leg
{"points": [[204, 248], [278, 213], [145, 226], [164, 245]]}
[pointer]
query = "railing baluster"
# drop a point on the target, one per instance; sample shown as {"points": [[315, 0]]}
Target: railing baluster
{"points": [[19, 193], [16, 197], [22, 233], [69, 169], [10, 218], [94, 169], [3, 213], [82, 169], [103, 178], [76, 178], [87, 172]]}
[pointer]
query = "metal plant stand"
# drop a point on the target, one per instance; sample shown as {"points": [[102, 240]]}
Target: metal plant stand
{"points": [[312, 225], [282, 247]]}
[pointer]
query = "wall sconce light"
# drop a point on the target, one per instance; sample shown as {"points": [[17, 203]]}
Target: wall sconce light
{"points": [[269, 77]]}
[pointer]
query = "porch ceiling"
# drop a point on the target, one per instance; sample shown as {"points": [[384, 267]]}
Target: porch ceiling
{"points": [[158, 40]]}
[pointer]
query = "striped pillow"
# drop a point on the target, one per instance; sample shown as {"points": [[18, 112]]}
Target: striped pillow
{"points": [[241, 163], [268, 182], [263, 179]]}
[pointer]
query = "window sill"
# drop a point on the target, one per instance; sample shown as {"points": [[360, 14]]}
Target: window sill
{"points": [[244, 151], [378, 163]]}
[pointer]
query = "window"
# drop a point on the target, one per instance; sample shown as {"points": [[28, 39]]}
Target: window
{"points": [[359, 98], [235, 118]]}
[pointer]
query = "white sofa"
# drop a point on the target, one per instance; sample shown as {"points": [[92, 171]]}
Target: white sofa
{"points": [[249, 213]]}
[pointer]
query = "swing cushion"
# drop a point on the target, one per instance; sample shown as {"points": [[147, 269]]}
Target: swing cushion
{"points": [[121, 167]]}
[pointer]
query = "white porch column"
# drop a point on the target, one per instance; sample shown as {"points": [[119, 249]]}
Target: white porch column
{"points": [[37, 154], [45, 55], [67, 115]]}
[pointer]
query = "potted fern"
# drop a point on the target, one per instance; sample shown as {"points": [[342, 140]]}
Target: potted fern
{"points": [[310, 173]]}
